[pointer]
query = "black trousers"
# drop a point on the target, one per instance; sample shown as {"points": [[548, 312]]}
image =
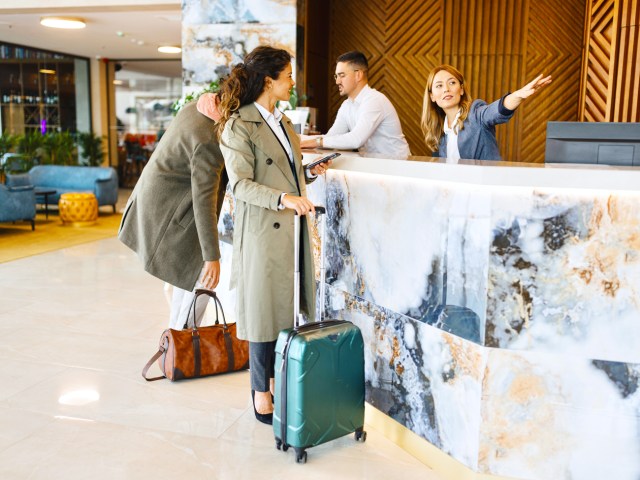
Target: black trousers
{"points": [[262, 358]]}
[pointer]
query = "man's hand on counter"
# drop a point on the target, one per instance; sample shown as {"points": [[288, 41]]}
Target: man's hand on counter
{"points": [[310, 141]]}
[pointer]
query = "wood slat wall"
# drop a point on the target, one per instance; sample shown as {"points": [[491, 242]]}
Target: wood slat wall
{"points": [[611, 73], [499, 45]]}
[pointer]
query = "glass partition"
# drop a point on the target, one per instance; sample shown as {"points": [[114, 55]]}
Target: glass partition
{"points": [[43, 91]]}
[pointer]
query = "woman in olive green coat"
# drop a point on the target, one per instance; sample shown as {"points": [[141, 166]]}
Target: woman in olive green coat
{"points": [[171, 218], [264, 162]]}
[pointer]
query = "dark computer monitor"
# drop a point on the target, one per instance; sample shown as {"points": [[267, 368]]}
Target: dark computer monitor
{"points": [[604, 143]]}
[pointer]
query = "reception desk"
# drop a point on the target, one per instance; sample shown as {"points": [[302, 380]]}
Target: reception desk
{"points": [[500, 307]]}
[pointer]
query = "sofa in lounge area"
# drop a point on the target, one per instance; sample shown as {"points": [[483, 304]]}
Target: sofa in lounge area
{"points": [[18, 203], [101, 181]]}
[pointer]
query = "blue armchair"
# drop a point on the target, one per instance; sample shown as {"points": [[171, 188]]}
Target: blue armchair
{"points": [[18, 203]]}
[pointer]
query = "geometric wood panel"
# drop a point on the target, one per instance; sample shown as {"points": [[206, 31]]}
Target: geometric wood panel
{"points": [[412, 48], [554, 47], [599, 65], [611, 72], [492, 64], [626, 99], [497, 44]]}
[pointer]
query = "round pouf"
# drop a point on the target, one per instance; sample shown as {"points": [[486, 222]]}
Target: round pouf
{"points": [[78, 209]]}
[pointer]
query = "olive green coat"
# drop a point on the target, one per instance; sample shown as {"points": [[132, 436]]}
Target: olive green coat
{"points": [[263, 246], [171, 218]]}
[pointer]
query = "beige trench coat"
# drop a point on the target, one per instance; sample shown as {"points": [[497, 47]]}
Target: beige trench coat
{"points": [[263, 246], [171, 218]]}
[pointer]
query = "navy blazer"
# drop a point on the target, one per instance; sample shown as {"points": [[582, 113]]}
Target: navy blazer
{"points": [[477, 140]]}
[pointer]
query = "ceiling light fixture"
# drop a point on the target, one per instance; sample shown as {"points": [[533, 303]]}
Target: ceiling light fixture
{"points": [[47, 71], [118, 82], [169, 49], [62, 22]]}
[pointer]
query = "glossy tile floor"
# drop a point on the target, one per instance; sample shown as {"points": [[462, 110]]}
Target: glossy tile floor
{"points": [[76, 327]]}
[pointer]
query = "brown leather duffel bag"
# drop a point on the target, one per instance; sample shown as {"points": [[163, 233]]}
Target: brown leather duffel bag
{"points": [[199, 352]]}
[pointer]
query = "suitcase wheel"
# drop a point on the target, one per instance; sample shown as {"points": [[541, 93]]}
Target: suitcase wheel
{"points": [[301, 455], [360, 435], [280, 445]]}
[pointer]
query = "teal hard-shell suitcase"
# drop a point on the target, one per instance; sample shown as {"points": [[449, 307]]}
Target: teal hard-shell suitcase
{"points": [[319, 379]]}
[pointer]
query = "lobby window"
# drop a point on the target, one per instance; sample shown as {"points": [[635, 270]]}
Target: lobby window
{"points": [[43, 91]]}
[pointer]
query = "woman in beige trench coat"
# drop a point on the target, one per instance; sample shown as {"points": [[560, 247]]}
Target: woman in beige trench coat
{"points": [[264, 162]]}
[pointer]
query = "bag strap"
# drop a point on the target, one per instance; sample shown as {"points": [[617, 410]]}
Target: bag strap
{"points": [[197, 363], [155, 357]]}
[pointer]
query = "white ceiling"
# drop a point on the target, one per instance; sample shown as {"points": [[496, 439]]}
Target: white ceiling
{"points": [[143, 30]]}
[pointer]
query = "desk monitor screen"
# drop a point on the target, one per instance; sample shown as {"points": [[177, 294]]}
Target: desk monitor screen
{"points": [[602, 143]]}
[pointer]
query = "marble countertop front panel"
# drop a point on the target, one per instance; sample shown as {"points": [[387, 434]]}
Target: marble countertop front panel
{"points": [[499, 308]]}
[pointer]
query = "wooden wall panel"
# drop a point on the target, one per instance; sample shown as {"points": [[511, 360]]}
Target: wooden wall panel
{"points": [[598, 68], [412, 49], [610, 90], [491, 62], [626, 100], [558, 54], [497, 44]]}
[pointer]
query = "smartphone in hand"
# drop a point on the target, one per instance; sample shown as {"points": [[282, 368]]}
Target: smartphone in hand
{"points": [[324, 159]]}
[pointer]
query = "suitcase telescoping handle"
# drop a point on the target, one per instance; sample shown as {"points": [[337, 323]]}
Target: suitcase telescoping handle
{"points": [[297, 317]]}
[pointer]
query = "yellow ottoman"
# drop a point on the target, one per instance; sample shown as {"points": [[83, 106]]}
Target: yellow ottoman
{"points": [[78, 209]]}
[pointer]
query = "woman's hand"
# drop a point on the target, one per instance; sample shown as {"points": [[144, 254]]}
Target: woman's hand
{"points": [[533, 86], [321, 168], [211, 274], [302, 205], [514, 99]]}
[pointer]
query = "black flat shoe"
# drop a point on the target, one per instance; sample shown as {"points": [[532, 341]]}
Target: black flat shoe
{"points": [[266, 418]]}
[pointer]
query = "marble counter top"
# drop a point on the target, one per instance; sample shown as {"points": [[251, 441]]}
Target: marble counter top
{"points": [[483, 172], [500, 306]]}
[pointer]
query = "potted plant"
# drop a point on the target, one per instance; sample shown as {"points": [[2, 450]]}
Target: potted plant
{"points": [[31, 148], [7, 143], [61, 149], [91, 149]]}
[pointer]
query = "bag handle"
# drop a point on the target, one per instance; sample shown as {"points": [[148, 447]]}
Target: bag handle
{"points": [[296, 265], [195, 337], [192, 308]]}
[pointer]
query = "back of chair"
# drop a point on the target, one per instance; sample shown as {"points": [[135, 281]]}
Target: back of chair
{"points": [[18, 180]]}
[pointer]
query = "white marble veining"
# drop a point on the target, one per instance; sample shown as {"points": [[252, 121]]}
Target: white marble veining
{"points": [[218, 34], [555, 416], [436, 263]]}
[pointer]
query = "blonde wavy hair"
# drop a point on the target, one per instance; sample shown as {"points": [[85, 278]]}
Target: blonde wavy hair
{"points": [[433, 116]]}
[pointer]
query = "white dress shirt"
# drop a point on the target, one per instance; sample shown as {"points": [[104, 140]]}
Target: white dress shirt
{"points": [[273, 120], [453, 154], [368, 123]]}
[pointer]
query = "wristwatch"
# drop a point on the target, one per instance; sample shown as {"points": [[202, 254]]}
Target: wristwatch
{"points": [[319, 141]]}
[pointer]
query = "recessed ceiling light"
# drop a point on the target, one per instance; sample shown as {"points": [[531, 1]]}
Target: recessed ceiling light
{"points": [[169, 49], [118, 82], [48, 71], [62, 22]]}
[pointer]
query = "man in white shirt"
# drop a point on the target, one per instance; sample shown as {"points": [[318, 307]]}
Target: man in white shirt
{"points": [[367, 120]]}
